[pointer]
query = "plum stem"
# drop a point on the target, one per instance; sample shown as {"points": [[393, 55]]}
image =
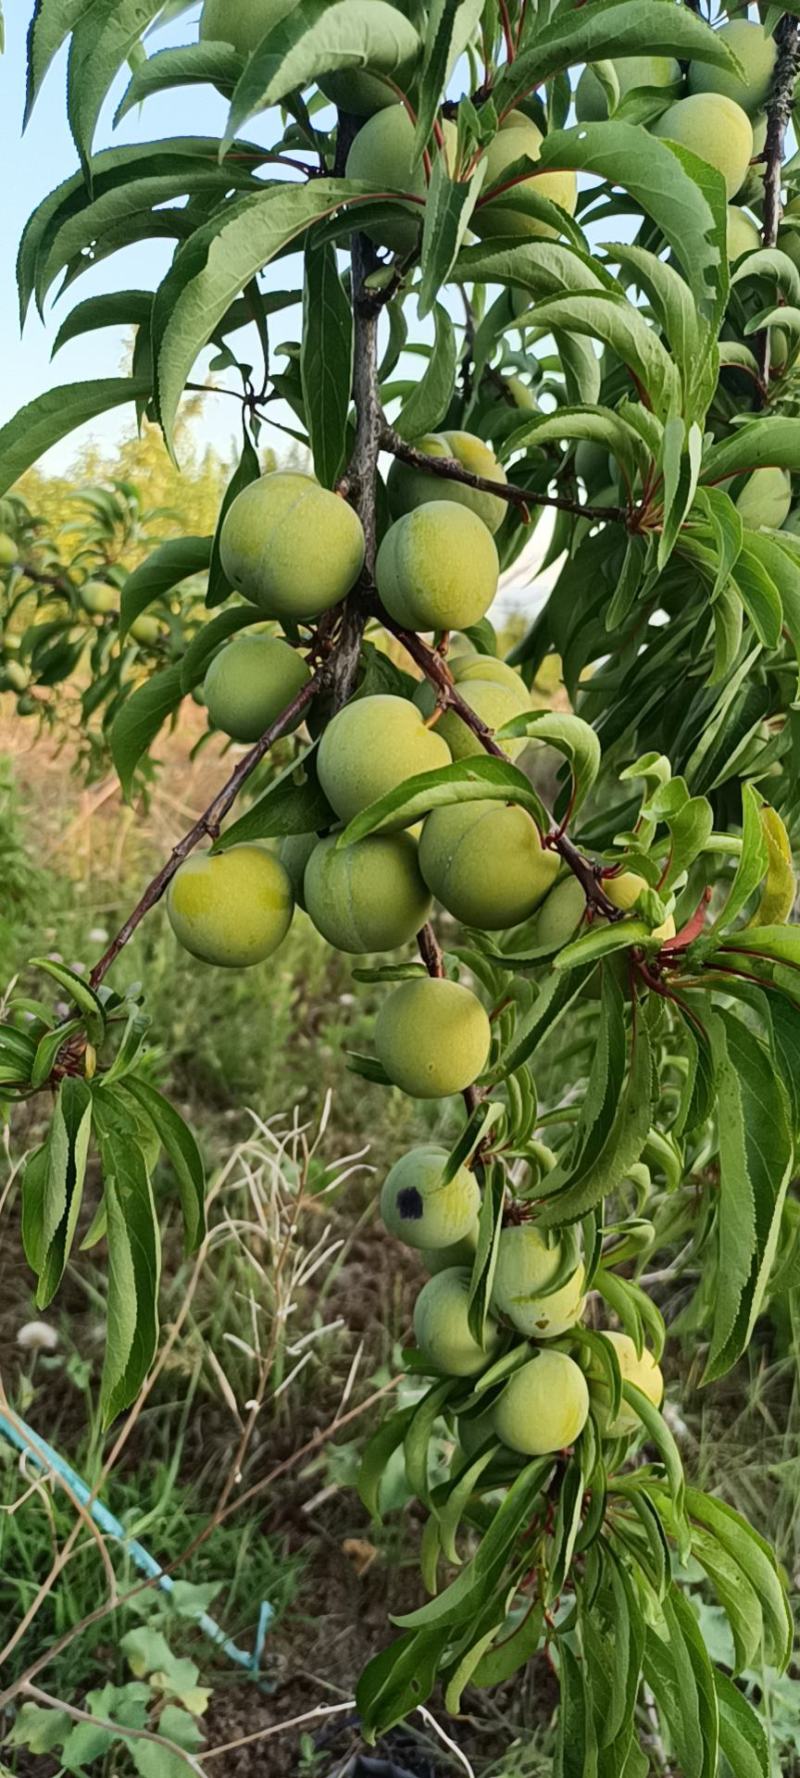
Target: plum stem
{"points": [[450, 469]]}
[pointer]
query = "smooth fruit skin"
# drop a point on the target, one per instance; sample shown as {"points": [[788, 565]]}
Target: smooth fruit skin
{"points": [[485, 863], [643, 1372], [433, 1038], [294, 853], [525, 1266], [359, 90], [441, 1327], [716, 129], [409, 488], [98, 598], [544, 1406], [366, 897], [591, 104], [14, 677], [372, 746], [488, 667], [145, 630], [519, 138], [623, 891], [561, 914], [755, 51], [419, 1210], [242, 22], [291, 546], [381, 154], [250, 682], [462, 1253], [9, 553], [437, 568], [743, 235], [494, 701], [766, 498], [231, 908]]}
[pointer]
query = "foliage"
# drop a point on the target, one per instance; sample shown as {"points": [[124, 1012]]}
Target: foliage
{"points": [[646, 396]]}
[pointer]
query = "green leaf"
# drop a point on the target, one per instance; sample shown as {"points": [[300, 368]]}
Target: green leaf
{"points": [[139, 719], [57, 1186], [248, 470], [756, 1155], [576, 1749], [490, 1228], [49, 1049], [181, 1146], [380, 1448], [457, 1603], [742, 1737], [450, 1509], [556, 996], [50, 417], [478, 1124], [326, 360], [134, 1263], [217, 263], [609, 29], [569, 735], [468, 780], [102, 41], [293, 804], [399, 1679], [416, 1444], [450, 25], [517, 1648], [448, 210], [612, 319], [573, 1188], [191, 64], [427, 405], [752, 864], [757, 1562], [115, 308], [320, 37], [754, 445], [51, 25], [603, 941], [75, 985], [171, 563]]}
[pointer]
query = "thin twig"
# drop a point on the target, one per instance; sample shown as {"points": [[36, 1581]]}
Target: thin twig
{"points": [[450, 469], [281, 1728]]}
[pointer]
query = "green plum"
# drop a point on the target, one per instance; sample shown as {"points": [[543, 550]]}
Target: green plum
{"points": [[591, 103], [409, 488], [437, 568], [714, 128], [433, 1038], [643, 1372], [369, 896], [526, 1265], [231, 908], [291, 546], [441, 1327], [382, 154], [517, 139], [371, 747], [417, 1208], [250, 682], [459, 852], [544, 1405], [756, 52]]}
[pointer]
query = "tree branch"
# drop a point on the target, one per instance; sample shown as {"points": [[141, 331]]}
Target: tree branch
{"points": [[360, 477], [207, 827], [451, 470], [779, 112]]}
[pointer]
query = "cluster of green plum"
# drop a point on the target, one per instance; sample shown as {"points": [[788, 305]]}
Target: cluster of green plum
{"points": [[544, 1404]]}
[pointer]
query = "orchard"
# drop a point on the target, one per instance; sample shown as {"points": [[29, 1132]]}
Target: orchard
{"points": [[545, 266]]}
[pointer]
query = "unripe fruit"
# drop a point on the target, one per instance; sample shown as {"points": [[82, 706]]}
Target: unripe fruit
{"points": [[394, 53], [372, 746], [716, 129], [743, 235], [488, 667], [294, 853], [291, 546], [495, 702], [409, 488], [381, 154], [98, 598], [755, 51], [519, 138], [242, 22], [9, 553], [462, 1253], [145, 629], [419, 1210], [591, 103], [366, 897], [15, 677], [522, 393], [765, 498], [250, 682], [441, 1327], [624, 890], [231, 908], [643, 1372], [544, 1405], [561, 914], [437, 568], [485, 863], [525, 1266], [433, 1038]]}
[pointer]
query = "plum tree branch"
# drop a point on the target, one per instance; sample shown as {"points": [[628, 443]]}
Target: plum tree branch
{"points": [[207, 826], [450, 469], [779, 112]]}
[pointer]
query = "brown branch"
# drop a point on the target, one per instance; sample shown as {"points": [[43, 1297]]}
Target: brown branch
{"points": [[779, 112], [430, 951], [450, 469], [207, 827]]}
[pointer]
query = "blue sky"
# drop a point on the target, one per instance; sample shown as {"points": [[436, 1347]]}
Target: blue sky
{"points": [[35, 163]]}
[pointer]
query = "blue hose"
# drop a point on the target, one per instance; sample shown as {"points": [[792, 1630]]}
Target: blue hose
{"points": [[26, 1440]]}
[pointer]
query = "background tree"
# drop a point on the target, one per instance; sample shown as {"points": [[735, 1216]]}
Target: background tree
{"points": [[641, 391]]}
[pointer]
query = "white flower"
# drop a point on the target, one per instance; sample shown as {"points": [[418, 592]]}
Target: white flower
{"points": [[37, 1336]]}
